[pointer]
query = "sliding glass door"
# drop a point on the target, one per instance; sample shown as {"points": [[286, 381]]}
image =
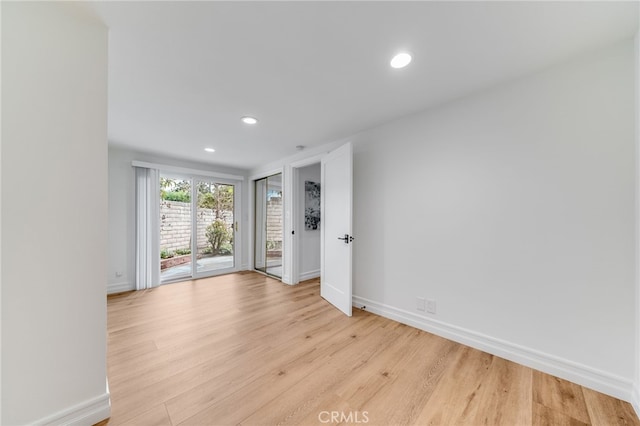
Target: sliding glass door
{"points": [[215, 225], [268, 225], [197, 227], [175, 228]]}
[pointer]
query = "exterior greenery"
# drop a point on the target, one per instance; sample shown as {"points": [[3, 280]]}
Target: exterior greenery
{"points": [[181, 196], [218, 234], [166, 254]]}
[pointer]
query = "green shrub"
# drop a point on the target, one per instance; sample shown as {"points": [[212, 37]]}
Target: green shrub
{"points": [[166, 254], [274, 245], [218, 234], [226, 249], [182, 252], [180, 196]]}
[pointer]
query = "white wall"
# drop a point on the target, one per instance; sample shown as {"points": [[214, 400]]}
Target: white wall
{"points": [[514, 210], [54, 215], [122, 230], [308, 240], [0, 231], [636, 397], [122, 212]]}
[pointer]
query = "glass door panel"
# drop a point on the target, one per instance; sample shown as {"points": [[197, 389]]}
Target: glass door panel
{"points": [[274, 225], [269, 234], [215, 226], [175, 228], [260, 244]]}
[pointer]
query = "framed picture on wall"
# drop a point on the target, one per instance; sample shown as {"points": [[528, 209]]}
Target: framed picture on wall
{"points": [[311, 205]]}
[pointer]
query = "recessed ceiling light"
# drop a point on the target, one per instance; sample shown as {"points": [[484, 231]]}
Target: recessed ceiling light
{"points": [[401, 60], [249, 120], [210, 150]]}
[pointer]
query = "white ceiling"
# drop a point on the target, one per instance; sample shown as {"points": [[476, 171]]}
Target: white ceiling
{"points": [[182, 74]]}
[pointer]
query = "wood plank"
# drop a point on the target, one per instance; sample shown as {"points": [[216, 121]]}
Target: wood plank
{"points": [[156, 416], [295, 372], [246, 349], [604, 410], [560, 395], [506, 396], [457, 396], [545, 416], [413, 380]]}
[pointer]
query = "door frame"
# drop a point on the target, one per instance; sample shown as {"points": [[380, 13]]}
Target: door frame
{"points": [[292, 215], [193, 176]]}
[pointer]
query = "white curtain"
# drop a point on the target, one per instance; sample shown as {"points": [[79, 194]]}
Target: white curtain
{"points": [[147, 231]]}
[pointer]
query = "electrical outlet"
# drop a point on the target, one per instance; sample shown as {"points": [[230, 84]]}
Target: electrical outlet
{"points": [[420, 303], [431, 306], [118, 274]]}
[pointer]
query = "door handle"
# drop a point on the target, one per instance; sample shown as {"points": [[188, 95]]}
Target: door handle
{"points": [[347, 238]]}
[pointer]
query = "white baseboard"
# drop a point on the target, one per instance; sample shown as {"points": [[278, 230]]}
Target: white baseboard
{"points": [[635, 401], [309, 275], [120, 287], [601, 381], [88, 412]]}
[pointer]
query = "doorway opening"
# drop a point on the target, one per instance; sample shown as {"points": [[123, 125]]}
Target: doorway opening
{"points": [[334, 225], [307, 221], [269, 225]]}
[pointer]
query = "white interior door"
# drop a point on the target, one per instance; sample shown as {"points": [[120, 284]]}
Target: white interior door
{"points": [[336, 223]]}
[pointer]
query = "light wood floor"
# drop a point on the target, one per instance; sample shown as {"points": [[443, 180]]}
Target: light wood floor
{"points": [[246, 349]]}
